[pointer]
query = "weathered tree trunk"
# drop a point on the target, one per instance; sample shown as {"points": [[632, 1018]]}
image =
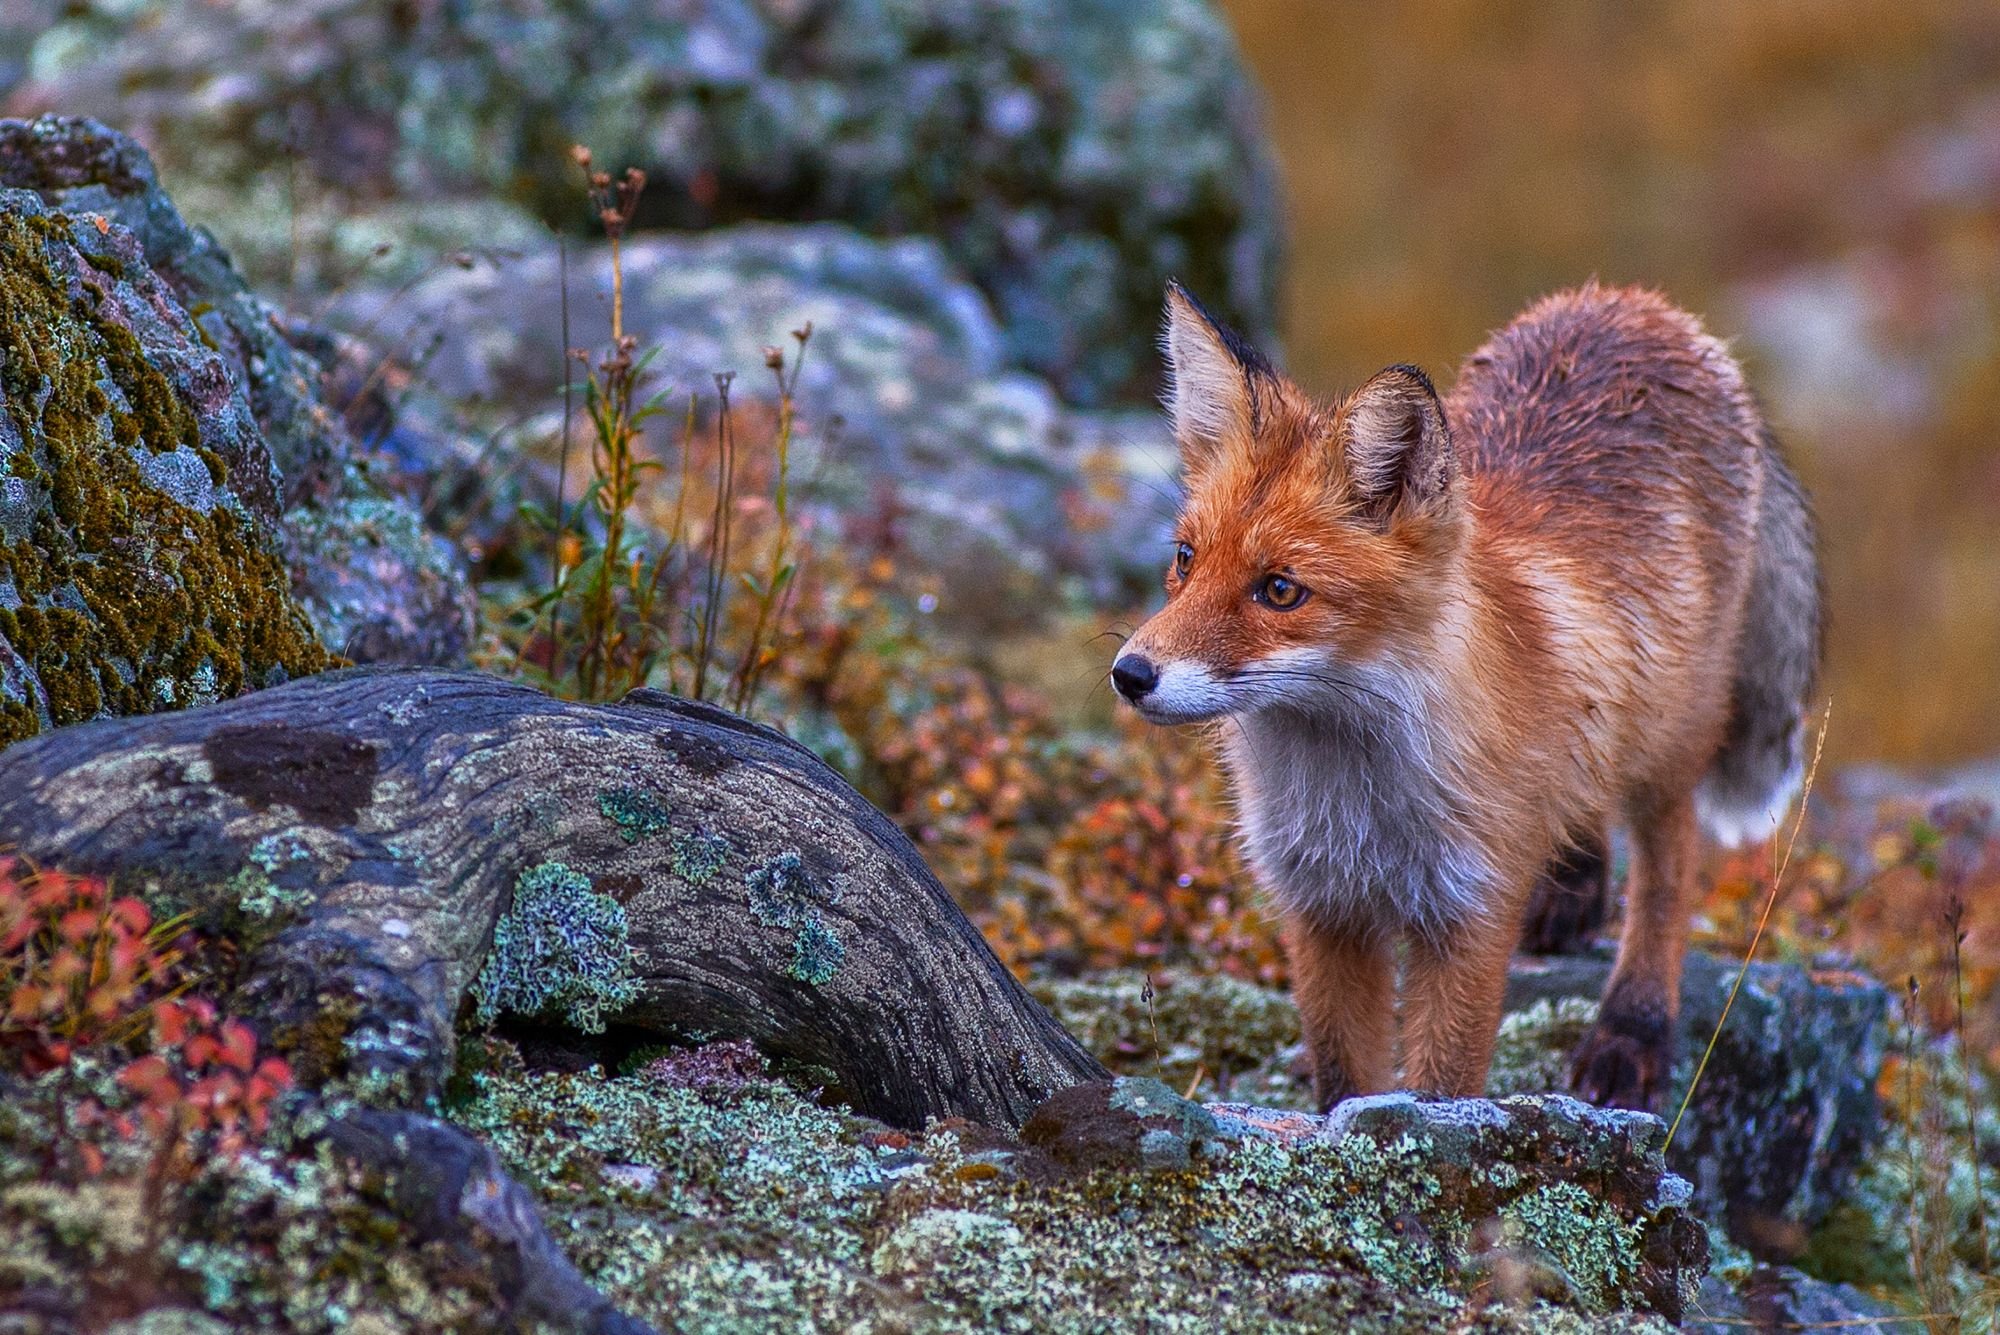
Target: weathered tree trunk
{"points": [[385, 817]]}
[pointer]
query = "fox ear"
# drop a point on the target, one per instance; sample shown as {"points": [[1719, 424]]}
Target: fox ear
{"points": [[1397, 445], [1211, 391]]}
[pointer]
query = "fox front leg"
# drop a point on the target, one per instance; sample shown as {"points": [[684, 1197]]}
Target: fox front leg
{"points": [[1453, 988], [1344, 984]]}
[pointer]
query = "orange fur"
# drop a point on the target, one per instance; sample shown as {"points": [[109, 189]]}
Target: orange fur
{"points": [[1524, 605]]}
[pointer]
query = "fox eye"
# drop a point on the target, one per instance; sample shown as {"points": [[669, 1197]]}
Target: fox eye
{"points": [[1183, 560], [1280, 593]]}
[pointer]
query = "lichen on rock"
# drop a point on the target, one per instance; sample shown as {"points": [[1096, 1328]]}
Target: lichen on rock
{"points": [[560, 952], [735, 1200], [637, 813], [373, 583], [784, 893]]}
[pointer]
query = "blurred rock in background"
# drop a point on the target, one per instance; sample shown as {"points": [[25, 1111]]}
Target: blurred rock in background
{"points": [[1068, 157]]}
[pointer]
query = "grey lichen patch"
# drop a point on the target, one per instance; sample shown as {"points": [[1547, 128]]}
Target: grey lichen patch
{"points": [[1218, 1036], [737, 1199], [783, 893], [1598, 1250], [1531, 1055], [256, 893], [816, 953], [561, 952], [637, 813], [696, 856]]}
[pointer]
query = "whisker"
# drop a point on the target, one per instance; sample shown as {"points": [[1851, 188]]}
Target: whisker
{"points": [[1352, 689]]}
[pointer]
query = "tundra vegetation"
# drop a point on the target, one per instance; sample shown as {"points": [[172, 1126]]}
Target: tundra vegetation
{"points": [[221, 1112]]}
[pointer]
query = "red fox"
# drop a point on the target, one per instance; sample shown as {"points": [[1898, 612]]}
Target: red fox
{"points": [[1452, 640]]}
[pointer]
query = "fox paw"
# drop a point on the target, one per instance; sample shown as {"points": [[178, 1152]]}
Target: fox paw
{"points": [[1624, 1061]]}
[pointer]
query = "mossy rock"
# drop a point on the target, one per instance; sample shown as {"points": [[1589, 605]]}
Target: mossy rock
{"points": [[376, 586], [733, 1204], [138, 565]]}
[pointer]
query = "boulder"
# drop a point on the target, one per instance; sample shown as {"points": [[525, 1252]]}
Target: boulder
{"points": [[374, 584], [139, 562], [1070, 158], [1130, 1122], [1787, 1107], [1785, 1115], [909, 413], [1778, 1298]]}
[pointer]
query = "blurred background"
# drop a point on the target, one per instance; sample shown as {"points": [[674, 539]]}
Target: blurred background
{"points": [[1819, 179], [929, 237]]}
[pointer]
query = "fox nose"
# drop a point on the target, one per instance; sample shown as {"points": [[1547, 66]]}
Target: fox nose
{"points": [[1135, 677]]}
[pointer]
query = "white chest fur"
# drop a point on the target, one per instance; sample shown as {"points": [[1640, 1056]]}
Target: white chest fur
{"points": [[1348, 817]]}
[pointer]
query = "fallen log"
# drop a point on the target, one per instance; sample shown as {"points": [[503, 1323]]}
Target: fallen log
{"points": [[367, 831]]}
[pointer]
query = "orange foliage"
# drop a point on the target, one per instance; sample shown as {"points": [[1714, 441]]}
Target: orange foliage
{"points": [[84, 974]]}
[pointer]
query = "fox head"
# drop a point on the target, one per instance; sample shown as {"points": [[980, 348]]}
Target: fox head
{"points": [[1314, 538]]}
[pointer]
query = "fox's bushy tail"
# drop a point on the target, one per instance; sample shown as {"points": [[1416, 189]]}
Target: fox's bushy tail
{"points": [[1761, 764]]}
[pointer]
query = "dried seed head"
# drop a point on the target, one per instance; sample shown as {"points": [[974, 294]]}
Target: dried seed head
{"points": [[774, 357]]}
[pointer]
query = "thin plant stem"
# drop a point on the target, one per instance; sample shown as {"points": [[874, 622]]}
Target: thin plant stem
{"points": [[562, 466], [1763, 920], [1955, 921]]}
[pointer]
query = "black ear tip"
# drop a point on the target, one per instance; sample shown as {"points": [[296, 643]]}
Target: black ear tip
{"points": [[1416, 373], [1237, 346]]}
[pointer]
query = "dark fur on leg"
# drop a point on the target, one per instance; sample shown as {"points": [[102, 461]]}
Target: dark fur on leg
{"points": [[1567, 906], [1628, 1055]]}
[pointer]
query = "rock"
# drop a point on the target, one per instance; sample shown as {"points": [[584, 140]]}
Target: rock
{"points": [[1787, 1107], [1130, 1122], [375, 585], [1786, 1114], [1070, 158], [1585, 1191], [907, 406], [139, 568], [1778, 1298], [737, 1199]]}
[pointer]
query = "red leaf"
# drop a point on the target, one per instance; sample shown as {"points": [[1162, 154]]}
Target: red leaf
{"points": [[151, 1079], [201, 1050], [132, 915], [239, 1045], [78, 925], [170, 1024]]}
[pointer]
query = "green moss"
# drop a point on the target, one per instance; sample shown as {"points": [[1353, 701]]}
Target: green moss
{"points": [[133, 601], [560, 953]]}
